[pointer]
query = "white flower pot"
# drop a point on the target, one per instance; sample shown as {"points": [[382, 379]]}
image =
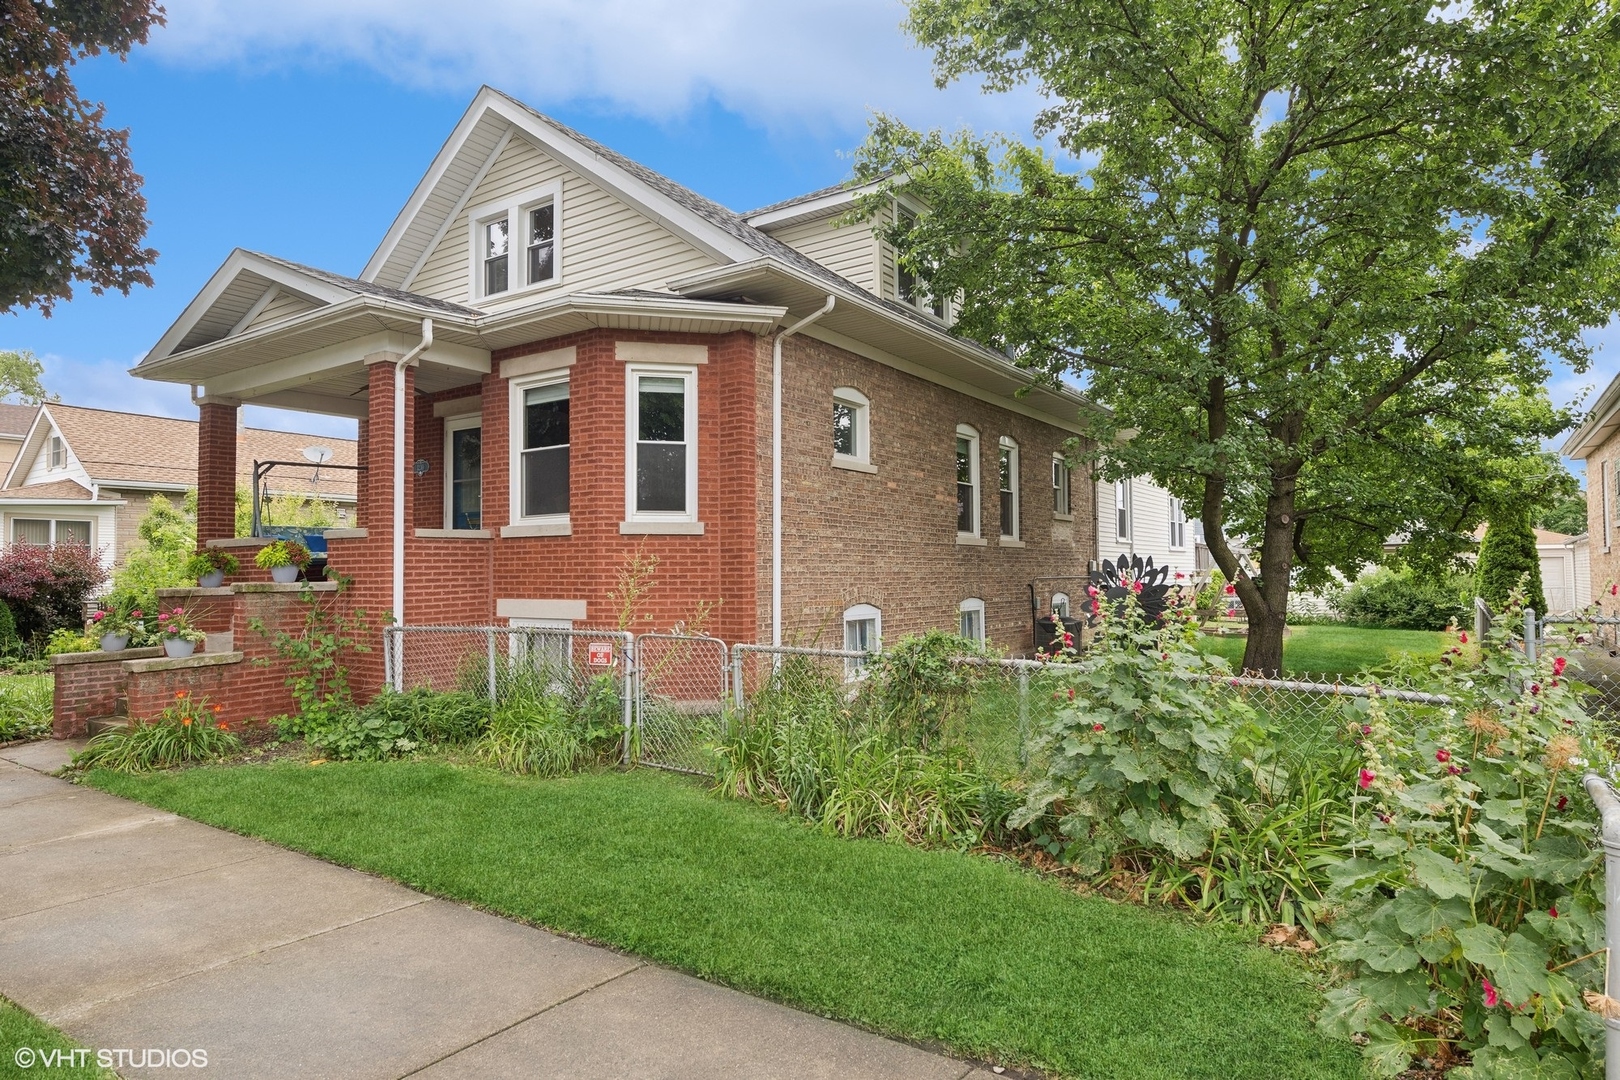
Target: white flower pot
{"points": [[114, 642], [211, 580], [178, 648], [284, 575]]}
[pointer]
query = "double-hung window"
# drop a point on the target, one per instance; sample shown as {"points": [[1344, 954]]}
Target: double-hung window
{"points": [[1008, 467], [542, 450], [1122, 511], [906, 282], [463, 473], [1178, 523], [515, 243], [967, 481], [1060, 485], [661, 476], [970, 620], [45, 531]]}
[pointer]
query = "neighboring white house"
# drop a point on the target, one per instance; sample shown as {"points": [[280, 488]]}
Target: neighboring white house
{"points": [[1138, 517], [1566, 570], [90, 474]]}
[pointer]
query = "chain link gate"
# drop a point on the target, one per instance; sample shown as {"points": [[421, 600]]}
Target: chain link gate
{"points": [[682, 703], [587, 669]]}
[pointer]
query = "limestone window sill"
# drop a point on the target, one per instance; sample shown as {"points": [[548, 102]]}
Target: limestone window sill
{"points": [[853, 466], [1062, 517], [661, 528], [963, 540], [1009, 542], [539, 528], [453, 534]]}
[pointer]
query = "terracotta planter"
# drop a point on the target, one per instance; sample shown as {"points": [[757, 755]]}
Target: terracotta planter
{"points": [[284, 575], [114, 642], [212, 580], [178, 648]]}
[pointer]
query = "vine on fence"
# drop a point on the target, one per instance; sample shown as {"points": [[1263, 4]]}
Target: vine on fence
{"points": [[316, 674]]}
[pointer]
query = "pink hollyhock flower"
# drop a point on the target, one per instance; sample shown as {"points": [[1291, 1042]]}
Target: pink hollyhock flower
{"points": [[1071, 693], [1179, 575], [1098, 727], [1366, 729], [1463, 637], [1068, 639], [1136, 586], [1366, 779], [1563, 801], [1559, 663], [1453, 770], [1442, 755], [1230, 589], [1095, 607], [1091, 590], [1553, 911], [1535, 688], [1490, 993]]}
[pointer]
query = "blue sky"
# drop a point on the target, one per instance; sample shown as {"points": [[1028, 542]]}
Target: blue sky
{"points": [[299, 127]]}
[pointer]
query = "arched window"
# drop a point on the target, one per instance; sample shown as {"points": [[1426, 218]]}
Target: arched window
{"points": [[1060, 605], [1008, 468], [863, 632], [970, 614], [967, 481]]}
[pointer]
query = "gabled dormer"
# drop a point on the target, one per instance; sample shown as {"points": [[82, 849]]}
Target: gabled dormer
{"points": [[46, 457]]}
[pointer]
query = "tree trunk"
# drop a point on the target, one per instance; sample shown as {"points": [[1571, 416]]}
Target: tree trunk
{"points": [[1265, 602]]}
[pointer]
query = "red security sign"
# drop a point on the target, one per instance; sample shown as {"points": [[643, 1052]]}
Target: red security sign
{"points": [[599, 654]]}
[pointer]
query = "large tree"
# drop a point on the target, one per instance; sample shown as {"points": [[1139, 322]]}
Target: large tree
{"points": [[1314, 255], [70, 202]]}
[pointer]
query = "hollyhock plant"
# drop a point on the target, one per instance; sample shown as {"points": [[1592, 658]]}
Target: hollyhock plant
{"points": [[1471, 830]]}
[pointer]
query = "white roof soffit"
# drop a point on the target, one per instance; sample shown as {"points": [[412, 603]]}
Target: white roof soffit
{"points": [[1602, 420], [865, 325], [465, 156], [809, 209]]}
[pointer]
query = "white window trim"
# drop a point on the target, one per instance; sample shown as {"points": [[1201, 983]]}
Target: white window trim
{"points": [[53, 522], [971, 434], [1178, 517], [451, 426], [862, 613], [1010, 446], [1065, 514], [973, 604], [1603, 486], [1122, 502], [54, 446], [854, 399], [903, 207], [632, 516], [514, 210], [514, 444]]}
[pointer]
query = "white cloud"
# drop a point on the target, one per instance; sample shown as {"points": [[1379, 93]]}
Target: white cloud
{"points": [[787, 64]]}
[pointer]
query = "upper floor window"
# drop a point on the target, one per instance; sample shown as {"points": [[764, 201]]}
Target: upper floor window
{"points": [[58, 458], [906, 284], [967, 481], [662, 425], [1060, 485], [851, 433], [1122, 511], [1178, 524], [541, 447], [515, 242], [1008, 463]]}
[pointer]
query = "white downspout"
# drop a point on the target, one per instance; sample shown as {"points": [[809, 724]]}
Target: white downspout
{"points": [[399, 468], [776, 466]]}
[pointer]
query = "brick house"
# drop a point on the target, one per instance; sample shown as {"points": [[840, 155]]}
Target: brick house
{"points": [[90, 474], [585, 361], [1595, 555]]}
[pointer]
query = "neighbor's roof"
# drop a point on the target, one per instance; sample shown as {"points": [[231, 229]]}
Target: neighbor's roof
{"points": [[1547, 536], [56, 489], [119, 448], [15, 420]]}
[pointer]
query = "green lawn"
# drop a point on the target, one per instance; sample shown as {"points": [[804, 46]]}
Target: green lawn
{"points": [[1337, 650], [29, 1047], [927, 945]]}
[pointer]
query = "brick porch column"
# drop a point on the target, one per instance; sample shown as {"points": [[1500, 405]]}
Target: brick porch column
{"points": [[216, 471]]}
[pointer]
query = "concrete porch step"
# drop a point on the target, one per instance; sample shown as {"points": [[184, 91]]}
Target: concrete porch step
{"points": [[99, 724]]}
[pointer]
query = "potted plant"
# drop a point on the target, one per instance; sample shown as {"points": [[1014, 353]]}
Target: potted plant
{"points": [[209, 566], [180, 638], [284, 559], [112, 627]]}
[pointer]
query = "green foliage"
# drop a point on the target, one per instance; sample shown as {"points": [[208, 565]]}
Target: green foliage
{"points": [[46, 586], [1400, 598], [1141, 756], [209, 561], [70, 641], [1508, 561], [433, 717], [544, 726], [288, 508], [1472, 885], [187, 732], [1211, 596], [874, 760], [279, 553], [1306, 299], [1567, 515], [168, 536], [22, 376], [25, 707], [10, 642], [314, 654]]}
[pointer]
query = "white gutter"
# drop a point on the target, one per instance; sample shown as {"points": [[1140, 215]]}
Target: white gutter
{"points": [[776, 466], [399, 469]]}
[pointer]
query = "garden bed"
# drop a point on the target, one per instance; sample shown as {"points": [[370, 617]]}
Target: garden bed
{"points": [[934, 946]]}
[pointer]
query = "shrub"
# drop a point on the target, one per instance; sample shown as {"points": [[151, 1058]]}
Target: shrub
{"points": [[1508, 561], [168, 535], [70, 641], [1402, 599], [187, 731], [46, 585], [1473, 888], [25, 707], [10, 643], [428, 716]]}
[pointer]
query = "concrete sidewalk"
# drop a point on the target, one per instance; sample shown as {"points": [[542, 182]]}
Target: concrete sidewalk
{"points": [[129, 927]]}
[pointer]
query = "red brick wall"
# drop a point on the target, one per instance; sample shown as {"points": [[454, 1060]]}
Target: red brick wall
{"points": [[88, 685], [216, 472]]}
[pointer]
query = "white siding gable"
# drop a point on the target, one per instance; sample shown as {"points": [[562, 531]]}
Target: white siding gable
{"points": [[284, 306], [40, 471], [604, 243], [849, 250]]}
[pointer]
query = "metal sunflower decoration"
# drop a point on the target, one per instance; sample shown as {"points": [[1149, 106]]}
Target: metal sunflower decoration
{"points": [[1132, 575]]}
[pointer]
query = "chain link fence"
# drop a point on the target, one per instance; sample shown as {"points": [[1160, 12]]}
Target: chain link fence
{"points": [[583, 668], [681, 701]]}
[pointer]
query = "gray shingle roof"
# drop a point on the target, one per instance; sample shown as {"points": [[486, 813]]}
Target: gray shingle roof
{"points": [[371, 288], [15, 420]]}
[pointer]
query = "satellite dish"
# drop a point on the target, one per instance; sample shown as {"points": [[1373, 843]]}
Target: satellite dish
{"points": [[320, 455]]}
